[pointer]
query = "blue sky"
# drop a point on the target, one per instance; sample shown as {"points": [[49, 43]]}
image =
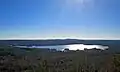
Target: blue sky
{"points": [[48, 19]]}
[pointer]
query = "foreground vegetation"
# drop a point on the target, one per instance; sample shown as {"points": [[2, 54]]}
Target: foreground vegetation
{"points": [[37, 60]]}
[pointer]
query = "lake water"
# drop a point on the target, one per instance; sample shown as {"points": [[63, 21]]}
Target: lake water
{"points": [[70, 47]]}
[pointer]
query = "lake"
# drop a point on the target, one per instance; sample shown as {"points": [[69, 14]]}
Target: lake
{"points": [[70, 47]]}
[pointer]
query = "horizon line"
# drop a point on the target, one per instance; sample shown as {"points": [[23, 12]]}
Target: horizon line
{"points": [[59, 39]]}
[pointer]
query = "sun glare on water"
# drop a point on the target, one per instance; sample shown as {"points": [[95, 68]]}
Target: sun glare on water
{"points": [[82, 47], [75, 47]]}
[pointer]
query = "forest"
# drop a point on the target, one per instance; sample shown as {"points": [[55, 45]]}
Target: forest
{"points": [[42, 60]]}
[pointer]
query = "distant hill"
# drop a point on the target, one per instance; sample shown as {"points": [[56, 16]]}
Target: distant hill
{"points": [[41, 42]]}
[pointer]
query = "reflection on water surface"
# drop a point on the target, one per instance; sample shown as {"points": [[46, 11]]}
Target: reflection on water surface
{"points": [[70, 47]]}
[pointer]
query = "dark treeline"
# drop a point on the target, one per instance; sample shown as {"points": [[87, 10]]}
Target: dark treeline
{"points": [[60, 42]]}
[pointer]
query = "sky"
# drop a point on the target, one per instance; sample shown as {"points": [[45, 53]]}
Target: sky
{"points": [[59, 19]]}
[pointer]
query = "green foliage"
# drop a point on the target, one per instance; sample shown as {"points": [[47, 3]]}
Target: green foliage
{"points": [[116, 63], [6, 51]]}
